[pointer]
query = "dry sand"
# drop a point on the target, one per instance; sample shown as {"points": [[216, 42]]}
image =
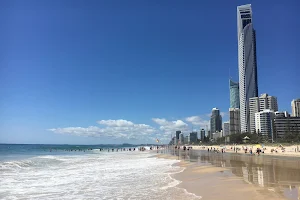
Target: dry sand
{"points": [[293, 151]]}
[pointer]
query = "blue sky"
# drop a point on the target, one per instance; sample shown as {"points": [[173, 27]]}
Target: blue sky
{"points": [[90, 72]]}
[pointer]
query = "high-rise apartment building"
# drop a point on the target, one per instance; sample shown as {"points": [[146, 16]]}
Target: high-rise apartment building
{"points": [[181, 138], [257, 104], [284, 123], [177, 135], [225, 128], [264, 123], [202, 134], [296, 108], [234, 94], [234, 121], [247, 62], [187, 139], [215, 121], [281, 114], [193, 138]]}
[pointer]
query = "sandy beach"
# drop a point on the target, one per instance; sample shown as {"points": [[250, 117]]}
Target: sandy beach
{"points": [[237, 176], [276, 150]]}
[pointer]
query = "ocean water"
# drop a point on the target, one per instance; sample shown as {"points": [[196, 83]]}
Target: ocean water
{"points": [[33, 172]]}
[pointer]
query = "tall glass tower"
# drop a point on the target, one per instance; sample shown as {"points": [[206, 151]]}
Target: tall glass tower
{"points": [[215, 121], [234, 94], [247, 62]]}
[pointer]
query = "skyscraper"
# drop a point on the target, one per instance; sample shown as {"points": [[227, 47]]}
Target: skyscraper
{"points": [[234, 121], [181, 138], [296, 108], [215, 121], [202, 134], [247, 62], [177, 134], [225, 128], [258, 104], [193, 138], [234, 94]]}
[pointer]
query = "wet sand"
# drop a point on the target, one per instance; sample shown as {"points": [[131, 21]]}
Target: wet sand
{"points": [[237, 176]]}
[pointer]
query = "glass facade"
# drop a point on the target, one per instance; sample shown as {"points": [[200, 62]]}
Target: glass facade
{"points": [[234, 94], [215, 121]]}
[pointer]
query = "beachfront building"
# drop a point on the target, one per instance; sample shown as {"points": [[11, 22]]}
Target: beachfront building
{"points": [[181, 138], [284, 123], [177, 135], [172, 142], [175, 141], [187, 139], [247, 63], [234, 94], [264, 123], [202, 135], [296, 108], [217, 134], [215, 120], [281, 114], [257, 104], [234, 121], [193, 137], [225, 128]]}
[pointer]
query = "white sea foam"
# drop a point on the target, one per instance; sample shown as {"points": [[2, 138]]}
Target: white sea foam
{"points": [[118, 175]]}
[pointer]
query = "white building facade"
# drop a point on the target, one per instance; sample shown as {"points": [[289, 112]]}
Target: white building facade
{"points": [[247, 62], [264, 123], [257, 104], [296, 108]]}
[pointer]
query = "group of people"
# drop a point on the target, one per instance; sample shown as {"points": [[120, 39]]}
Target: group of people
{"points": [[132, 149], [184, 148], [120, 149], [55, 149], [108, 149], [258, 151], [215, 150]]}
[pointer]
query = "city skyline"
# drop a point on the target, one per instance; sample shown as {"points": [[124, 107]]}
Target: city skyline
{"points": [[85, 76]]}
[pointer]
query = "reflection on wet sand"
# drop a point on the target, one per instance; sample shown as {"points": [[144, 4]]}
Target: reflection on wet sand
{"points": [[276, 174]]}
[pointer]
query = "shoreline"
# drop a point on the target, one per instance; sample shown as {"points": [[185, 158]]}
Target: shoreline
{"points": [[224, 176]]}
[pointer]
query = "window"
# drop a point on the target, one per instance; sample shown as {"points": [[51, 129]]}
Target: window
{"points": [[246, 22], [245, 16], [245, 12]]}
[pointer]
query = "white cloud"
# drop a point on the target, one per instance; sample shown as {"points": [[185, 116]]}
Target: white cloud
{"points": [[223, 114], [119, 122], [197, 120], [170, 127], [127, 130], [208, 115], [121, 129]]}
